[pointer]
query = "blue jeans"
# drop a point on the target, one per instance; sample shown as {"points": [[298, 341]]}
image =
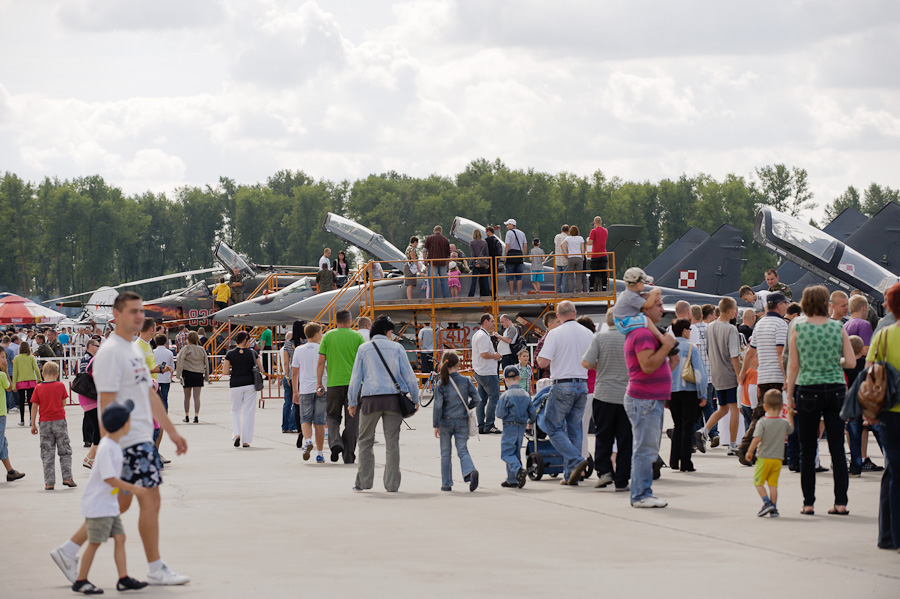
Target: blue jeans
{"points": [[562, 282], [747, 413], [457, 429], [889, 507], [855, 433], [708, 410], [164, 394], [489, 390], [4, 451], [646, 416], [438, 271], [511, 449], [10, 400], [565, 411], [289, 410]]}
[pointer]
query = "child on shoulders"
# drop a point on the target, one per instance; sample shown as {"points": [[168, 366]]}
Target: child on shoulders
{"points": [[630, 303]]}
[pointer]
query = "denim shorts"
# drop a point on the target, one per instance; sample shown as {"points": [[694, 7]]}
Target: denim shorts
{"points": [[726, 396], [142, 466], [312, 409], [514, 271]]}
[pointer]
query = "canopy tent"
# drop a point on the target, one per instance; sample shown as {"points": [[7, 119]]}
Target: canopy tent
{"points": [[15, 309]]}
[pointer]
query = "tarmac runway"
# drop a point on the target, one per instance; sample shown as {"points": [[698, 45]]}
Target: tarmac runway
{"points": [[261, 522]]}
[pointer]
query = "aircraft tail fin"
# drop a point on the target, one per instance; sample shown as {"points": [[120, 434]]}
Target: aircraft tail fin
{"points": [[621, 240], [673, 254], [714, 267], [102, 299], [878, 239]]}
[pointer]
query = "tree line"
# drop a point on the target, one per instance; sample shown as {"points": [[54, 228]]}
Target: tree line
{"points": [[70, 236]]}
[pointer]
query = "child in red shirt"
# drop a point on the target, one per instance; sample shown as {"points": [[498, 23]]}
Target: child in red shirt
{"points": [[50, 397]]}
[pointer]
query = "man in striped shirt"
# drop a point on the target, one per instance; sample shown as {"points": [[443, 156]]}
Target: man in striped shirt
{"points": [[766, 348]]}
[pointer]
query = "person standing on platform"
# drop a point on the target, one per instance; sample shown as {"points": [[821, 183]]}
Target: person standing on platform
{"points": [[437, 251], [495, 250], [599, 259], [514, 260]]}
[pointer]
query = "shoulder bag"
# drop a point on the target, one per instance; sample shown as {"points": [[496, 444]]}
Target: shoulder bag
{"points": [[407, 407], [472, 418], [257, 375], [873, 389], [83, 384], [687, 371], [516, 256]]}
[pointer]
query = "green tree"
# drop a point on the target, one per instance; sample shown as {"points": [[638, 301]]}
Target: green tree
{"points": [[784, 189], [877, 196], [848, 199]]}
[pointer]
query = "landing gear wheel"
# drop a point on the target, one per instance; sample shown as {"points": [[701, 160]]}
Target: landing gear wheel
{"points": [[535, 466]]}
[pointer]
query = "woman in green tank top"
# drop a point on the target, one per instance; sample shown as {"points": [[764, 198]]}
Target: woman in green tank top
{"points": [[817, 345]]}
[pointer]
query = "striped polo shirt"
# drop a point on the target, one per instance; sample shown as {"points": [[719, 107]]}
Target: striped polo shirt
{"points": [[769, 334]]}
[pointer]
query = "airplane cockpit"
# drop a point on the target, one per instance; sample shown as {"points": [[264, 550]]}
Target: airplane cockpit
{"points": [[197, 291], [230, 259], [821, 253], [364, 238]]}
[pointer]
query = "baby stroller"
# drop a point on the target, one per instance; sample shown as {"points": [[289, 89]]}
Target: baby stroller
{"points": [[540, 456]]}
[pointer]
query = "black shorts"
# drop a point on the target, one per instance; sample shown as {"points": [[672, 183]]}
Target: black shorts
{"points": [[142, 466]]}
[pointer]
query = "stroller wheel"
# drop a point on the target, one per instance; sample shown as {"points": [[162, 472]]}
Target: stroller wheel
{"points": [[535, 466]]}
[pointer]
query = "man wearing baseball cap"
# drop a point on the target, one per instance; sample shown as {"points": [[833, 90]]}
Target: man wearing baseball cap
{"points": [[766, 349], [514, 252]]}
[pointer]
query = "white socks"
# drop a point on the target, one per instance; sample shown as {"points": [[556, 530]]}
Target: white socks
{"points": [[155, 566]]}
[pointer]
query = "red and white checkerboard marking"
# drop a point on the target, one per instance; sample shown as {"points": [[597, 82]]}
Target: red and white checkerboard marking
{"points": [[687, 279], [847, 268]]}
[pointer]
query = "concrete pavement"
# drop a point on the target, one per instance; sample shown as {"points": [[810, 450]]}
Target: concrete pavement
{"points": [[261, 522]]}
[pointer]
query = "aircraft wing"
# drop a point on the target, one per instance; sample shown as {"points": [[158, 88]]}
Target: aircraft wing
{"points": [[187, 273], [820, 253], [365, 239]]}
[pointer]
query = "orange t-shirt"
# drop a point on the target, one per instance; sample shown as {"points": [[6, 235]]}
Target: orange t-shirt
{"points": [[749, 385], [51, 401]]}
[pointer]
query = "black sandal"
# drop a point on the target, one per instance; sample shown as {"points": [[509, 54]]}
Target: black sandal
{"points": [[808, 512], [237, 441], [835, 512], [186, 419]]}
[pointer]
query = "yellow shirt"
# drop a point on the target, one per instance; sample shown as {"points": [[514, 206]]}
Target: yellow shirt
{"points": [[148, 356], [222, 292], [892, 350]]}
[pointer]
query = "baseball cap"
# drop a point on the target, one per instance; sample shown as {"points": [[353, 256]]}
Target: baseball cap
{"points": [[776, 298], [511, 372], [511, 221], [116, 415], [452, 265], [636, 275]]}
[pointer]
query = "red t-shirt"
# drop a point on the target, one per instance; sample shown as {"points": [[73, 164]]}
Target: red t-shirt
{"points": [[598, 238], [51, 401]]}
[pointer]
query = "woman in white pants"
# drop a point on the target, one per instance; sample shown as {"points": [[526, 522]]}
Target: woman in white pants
{"points": [[239, 363]]}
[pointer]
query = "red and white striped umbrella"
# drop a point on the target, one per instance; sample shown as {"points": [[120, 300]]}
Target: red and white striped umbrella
{"points": [[15, 309]]}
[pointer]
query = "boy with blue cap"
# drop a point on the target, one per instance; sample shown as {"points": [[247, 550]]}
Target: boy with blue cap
{"points": [[515, 409]]}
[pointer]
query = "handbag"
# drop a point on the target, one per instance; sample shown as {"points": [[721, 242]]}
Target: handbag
{"points": [[687, 371], [472, 418], [83, 383], [515, 256], [257, 375], [873, 390], [407, 406]]}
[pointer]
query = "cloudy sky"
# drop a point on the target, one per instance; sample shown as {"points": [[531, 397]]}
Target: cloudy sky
{"points": [[153, 94]]}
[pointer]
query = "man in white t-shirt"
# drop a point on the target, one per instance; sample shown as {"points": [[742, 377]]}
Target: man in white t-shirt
{"points": [[562, 352], [325, 260], [365, 327], [484, 365], [165, 362], [120, 374], [560, 261], [506, 340], [757, 298]]}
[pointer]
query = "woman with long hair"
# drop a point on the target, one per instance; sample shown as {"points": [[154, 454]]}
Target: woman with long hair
{"points": [[341, 268], [26, 376], [574, 248], [453, 397]]}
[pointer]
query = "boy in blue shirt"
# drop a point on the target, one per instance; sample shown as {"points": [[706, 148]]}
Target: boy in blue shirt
{"points": [[516, 410]]}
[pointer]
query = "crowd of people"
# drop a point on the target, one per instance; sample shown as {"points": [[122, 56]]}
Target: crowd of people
{"points": [[784, 372]]}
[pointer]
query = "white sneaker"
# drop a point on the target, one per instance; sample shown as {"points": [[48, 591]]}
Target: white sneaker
{"points": [[68, 565], [165, 576], [605, 480], [650, 502]]}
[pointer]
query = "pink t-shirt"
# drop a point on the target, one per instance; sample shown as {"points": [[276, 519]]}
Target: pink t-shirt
{"points": [[657, 384]]}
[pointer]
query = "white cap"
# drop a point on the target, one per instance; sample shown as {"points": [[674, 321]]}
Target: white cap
{"points": [[452, 265], [636, 275], [511, 221]]}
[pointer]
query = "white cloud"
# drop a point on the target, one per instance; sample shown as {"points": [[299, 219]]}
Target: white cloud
{"points": [[115, 15], [655, 100]]}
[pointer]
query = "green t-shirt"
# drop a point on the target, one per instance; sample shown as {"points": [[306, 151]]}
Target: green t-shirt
{"points": [[339, 348], [4, 385], [892, 349], [820, 347], [265, 340], [772, 433]]}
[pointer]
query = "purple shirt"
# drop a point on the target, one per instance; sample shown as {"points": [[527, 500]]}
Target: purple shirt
{"points": [[657, 384], [860, 327]]}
